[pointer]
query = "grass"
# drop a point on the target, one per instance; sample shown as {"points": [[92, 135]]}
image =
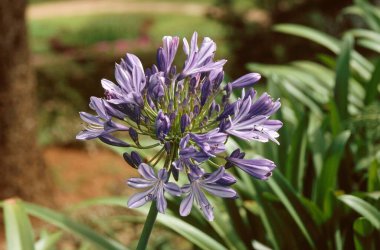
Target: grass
{"points": [[88, 30]]}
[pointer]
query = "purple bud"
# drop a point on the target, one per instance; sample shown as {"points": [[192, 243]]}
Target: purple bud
{"points": [[225, 99], [245, 80], [173, 70], [134, 135], [218, 80], [136, 158], [193, 84], [133, 159], [185, 121], [228, 89], [223, 125], [205, 92], [212, 108], [113, 141], [128, 159], [161, 59], [217, 108], [162, 125], [172, 117]]}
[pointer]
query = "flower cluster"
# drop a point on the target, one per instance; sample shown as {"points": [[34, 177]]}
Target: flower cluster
{"points": [[189, 115]]}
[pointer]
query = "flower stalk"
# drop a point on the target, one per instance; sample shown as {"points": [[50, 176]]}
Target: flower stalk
{"points": [[148, 227]]}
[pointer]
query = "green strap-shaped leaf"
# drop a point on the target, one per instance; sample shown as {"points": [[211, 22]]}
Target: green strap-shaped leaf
{"points": [[18, 230], [369, 44], [293, 204], [369, 14], [342, 78], [327, 179], [364, 208], [269, 218], [74, 227], [372, 85], [295, 165], [363, 33], [193, 234], [359, 63]]}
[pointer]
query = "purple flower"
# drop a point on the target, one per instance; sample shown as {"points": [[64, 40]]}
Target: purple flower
{"points": [[100, 126], [194, 192], [189, 157], [200, 60], [258, 168], [162, 125], [156, 184], [130, 76], [166, 54], [211, 143], [189, 115], [185, 121], [250, 121]]}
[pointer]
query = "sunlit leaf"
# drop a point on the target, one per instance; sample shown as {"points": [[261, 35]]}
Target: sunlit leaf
{"points": [[362, 207], [18, 230], [78, 229]]}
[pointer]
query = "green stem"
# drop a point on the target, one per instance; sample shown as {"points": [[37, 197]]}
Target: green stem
{"points": [[148, 226]]}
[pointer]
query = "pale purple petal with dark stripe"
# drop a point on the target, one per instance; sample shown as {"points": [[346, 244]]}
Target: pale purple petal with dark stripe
{"points": [[172, 188], [139, 183], [161, 202], [186, 205], [139, 199], [218, 190]]}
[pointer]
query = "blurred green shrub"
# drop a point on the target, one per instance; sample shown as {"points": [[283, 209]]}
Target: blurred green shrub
{"points": [[248, 28]]}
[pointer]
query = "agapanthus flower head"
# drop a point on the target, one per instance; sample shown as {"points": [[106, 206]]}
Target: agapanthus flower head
{"points": [[188, 115]]}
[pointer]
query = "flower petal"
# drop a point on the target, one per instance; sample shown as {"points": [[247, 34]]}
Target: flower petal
{"points": [[172, 188], [139, 199], [186, 205], [147, 171], [215, 175], [218, 190], [139, 183], [161, 202]]}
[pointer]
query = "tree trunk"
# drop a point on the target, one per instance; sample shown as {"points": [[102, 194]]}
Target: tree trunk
{"points": [[22, 171]]}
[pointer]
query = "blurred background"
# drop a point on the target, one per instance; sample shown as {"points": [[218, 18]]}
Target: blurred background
{"points": [[324, 66]]}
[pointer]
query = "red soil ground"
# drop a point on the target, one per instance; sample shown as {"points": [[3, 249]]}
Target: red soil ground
{"points": [[80, 174]]}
